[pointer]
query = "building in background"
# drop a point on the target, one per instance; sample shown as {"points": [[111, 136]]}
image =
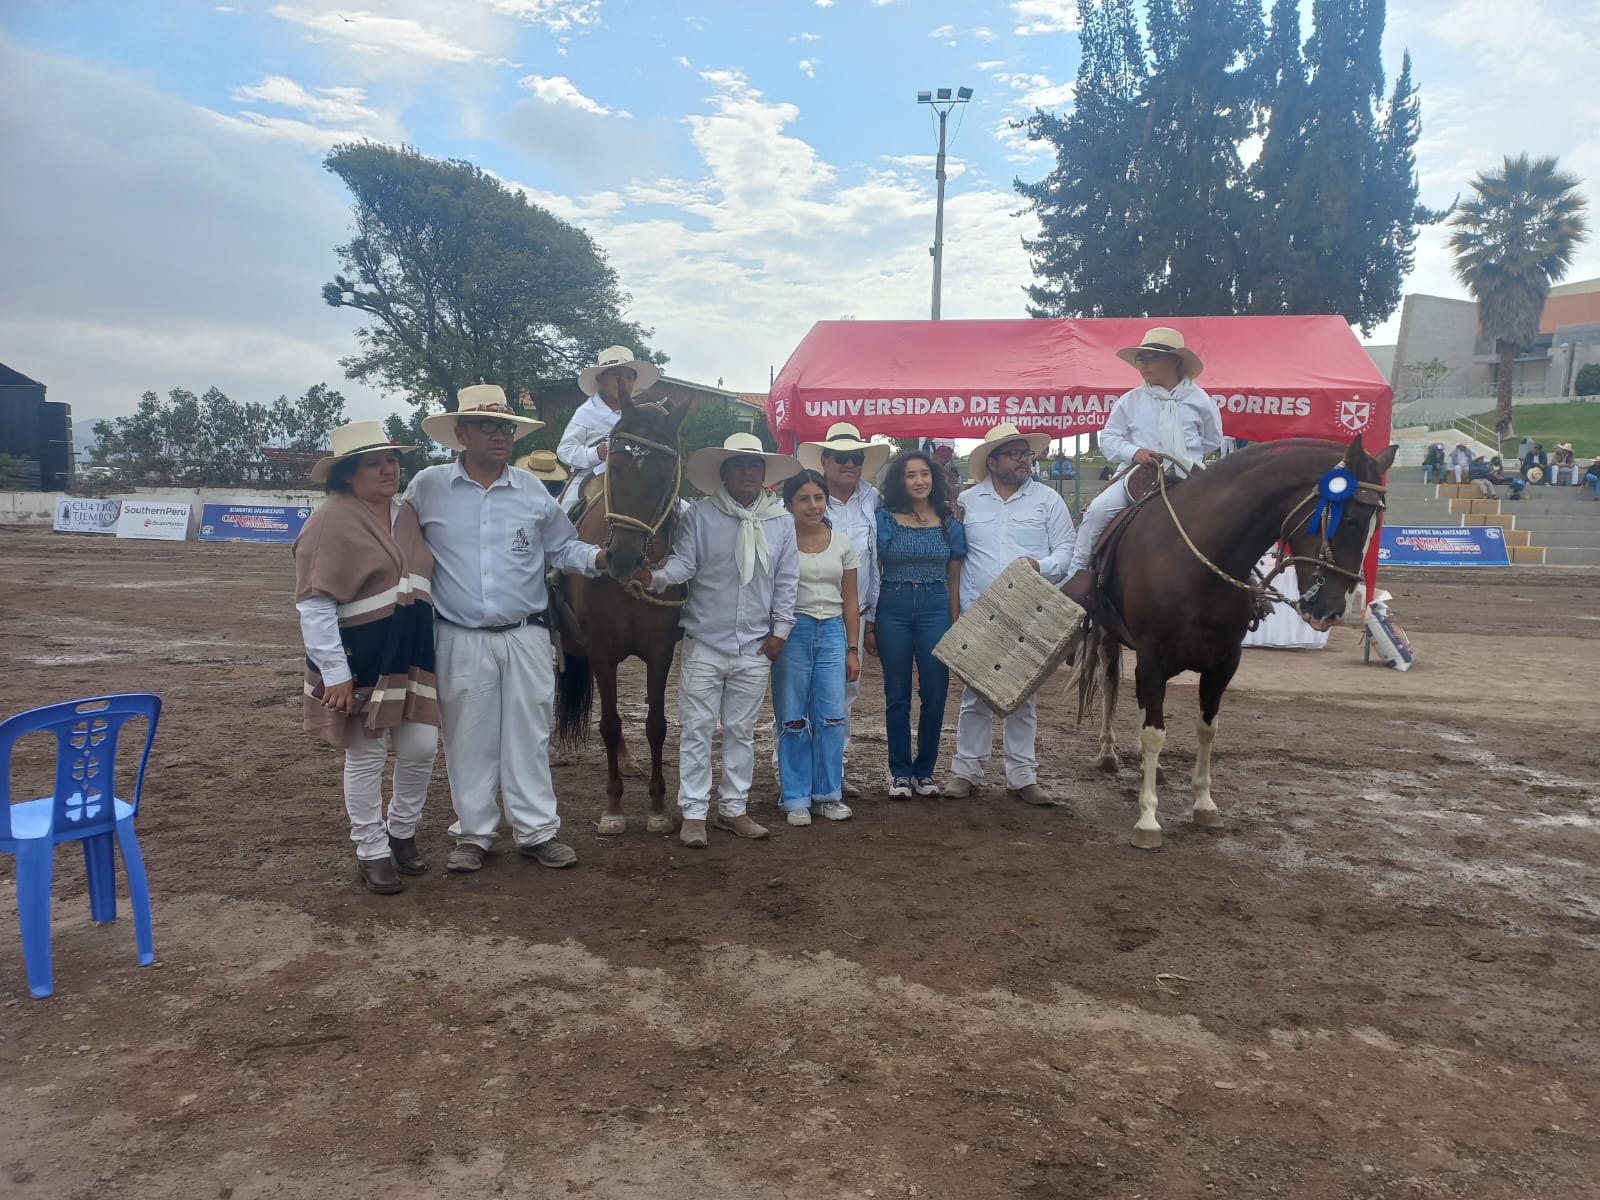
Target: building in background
{"points": [[36, 431]]}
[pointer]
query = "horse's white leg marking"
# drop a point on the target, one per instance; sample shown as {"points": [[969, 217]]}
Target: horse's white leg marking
{"points": [[1205, 812], [1147, 833]]}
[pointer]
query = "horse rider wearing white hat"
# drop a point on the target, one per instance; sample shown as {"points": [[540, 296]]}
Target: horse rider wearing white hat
{"points": [[846, 461], [736, 551], [1169, 414], [492, 529], [616, 375], [1009, 516]]}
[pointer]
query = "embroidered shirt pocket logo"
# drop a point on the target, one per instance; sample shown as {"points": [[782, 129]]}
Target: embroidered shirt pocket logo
{"points": [[520, 543]]}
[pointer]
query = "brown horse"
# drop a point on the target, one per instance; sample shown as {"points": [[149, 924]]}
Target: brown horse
{"points": [[634, 519], [1173, 584]]}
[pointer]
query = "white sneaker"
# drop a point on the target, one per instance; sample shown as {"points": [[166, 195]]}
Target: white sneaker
{"points": [[924, 785], [835, 810], [900, 788], [798, 816]]}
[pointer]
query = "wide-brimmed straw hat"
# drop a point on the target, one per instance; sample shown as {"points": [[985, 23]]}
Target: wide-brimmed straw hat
{"points": [[704, 468], [978, 460], [1563, 445], [844, 437], [619, 356], [352, 440], [545, 465], [479, 400], [1536, 475], [1168, 341]]}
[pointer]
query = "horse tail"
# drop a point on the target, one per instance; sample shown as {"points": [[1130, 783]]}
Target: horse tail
{"points": [[1086, 668], [574, 699]]}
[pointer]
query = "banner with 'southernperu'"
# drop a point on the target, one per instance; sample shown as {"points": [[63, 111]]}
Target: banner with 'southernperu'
{"points": [[79, 514], [1448, 546], [154, 520], [252, 522]]}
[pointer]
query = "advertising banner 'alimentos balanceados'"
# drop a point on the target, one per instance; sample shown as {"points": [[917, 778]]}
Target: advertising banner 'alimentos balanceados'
{"points": [[251, 522]]}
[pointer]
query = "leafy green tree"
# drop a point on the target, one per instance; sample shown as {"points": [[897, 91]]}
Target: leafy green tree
{"points": [[1514, 237], [465, 280], [1422, 377], [1587, 382]]}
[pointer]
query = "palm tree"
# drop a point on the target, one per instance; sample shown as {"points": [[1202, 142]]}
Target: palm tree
{"points": [[1512, 240]]}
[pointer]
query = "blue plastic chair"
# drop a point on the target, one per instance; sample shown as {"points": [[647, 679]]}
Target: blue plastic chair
{"points": [[83, 809]]}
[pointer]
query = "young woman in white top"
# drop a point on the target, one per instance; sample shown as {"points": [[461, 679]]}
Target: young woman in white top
{"points": [[822, 655]]}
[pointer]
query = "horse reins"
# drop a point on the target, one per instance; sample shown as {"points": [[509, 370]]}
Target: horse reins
{"points": [[634, 443], [1264, 590]]}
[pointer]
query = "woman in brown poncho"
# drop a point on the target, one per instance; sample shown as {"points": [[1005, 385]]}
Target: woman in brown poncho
{"points": [[362, 575]]}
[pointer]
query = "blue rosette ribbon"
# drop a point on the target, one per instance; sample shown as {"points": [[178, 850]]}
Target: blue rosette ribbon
{"points": [[1334, 491]]}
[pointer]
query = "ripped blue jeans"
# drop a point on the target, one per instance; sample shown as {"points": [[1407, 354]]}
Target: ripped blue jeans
{"points": [[808, 685]]}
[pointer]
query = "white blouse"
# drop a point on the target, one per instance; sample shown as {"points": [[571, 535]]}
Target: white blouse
{"points": [[822, 575]]}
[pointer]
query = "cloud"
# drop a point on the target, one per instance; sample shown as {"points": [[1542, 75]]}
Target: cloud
{"points": [[1035, 17], [558, 89], [326, 104], [984, 34], [809, 66], [824, 3], [944, 31], [368, 34], [806, 37], [558, 16]]}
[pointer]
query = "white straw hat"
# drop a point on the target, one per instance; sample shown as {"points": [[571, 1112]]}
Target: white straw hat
{"points": [[844, 436], [479, 400], [704, 468], [619, 356], [355, 438], [978, 460], [1168, 341]]}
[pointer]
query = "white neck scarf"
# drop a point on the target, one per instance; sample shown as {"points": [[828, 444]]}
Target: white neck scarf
{"points": [[751, 546], [1169, 432]]}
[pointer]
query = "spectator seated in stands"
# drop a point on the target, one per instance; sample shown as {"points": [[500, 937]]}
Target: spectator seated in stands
{"points": [[1591, 477], [1563, 462], [1495, 474], [1479, 468], [1107, 471], [1535, 460], [1062, 469], [1433, 464], [1461, 462]]}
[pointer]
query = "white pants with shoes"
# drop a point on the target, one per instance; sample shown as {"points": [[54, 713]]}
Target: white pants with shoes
{"points": [[496, 696], [1555, 475], [975, 740], [717, 690], [415, 746], [1095, 519]]}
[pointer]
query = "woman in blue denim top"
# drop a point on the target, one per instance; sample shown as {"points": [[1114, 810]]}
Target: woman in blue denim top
{"points": [[920, 547]]}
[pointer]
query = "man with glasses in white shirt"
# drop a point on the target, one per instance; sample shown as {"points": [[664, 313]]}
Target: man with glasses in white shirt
{"points": [[1009, 516], [493, 530]]}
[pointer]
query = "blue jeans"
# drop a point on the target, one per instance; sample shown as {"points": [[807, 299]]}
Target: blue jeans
{"points": [[808, 697], [911, 618]]}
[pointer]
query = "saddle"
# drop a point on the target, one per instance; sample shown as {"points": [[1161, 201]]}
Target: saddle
{"points": [[1142, 487]]}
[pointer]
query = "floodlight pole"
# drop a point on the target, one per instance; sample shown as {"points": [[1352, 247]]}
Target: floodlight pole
{"points": [[943, 106]]}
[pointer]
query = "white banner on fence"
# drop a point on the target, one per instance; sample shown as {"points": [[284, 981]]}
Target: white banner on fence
{"points": [[80, 515], [161, 520]]}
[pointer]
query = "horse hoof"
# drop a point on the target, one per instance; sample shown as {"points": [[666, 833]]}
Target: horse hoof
{"points": [[611, 825], [1208, 818], [659, 823], [1107, 763], [1147, 839]]}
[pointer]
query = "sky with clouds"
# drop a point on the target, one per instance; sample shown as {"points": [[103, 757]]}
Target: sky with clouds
{"points": [[748, 168]]}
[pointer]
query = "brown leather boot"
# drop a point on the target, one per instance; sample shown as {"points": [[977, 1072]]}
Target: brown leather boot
{"points": [[1080, 590], [740, 826]]}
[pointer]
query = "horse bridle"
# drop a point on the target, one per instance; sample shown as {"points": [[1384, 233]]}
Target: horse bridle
{"points": [[1263, 590], [634, 445]]}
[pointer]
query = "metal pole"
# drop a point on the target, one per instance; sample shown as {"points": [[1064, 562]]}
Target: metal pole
{"points": [[938, 216]]}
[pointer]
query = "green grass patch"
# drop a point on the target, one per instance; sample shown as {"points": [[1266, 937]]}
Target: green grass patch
{"points": [[1577, 422]]}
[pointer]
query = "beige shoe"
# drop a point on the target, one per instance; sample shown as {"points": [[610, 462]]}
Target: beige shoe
{"points": [[693, 833], [740, 826], [1032, 793], [960, 788]]}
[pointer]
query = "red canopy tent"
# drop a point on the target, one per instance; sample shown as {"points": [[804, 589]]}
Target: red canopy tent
{"points": [[1271, 377]]}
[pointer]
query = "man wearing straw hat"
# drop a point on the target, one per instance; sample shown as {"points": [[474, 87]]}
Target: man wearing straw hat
{"points": [[1563, 460], [736, 551], [1169, 415], [617, 375], [492, 530], [846, 461], [544, 466], [1010, 516]]}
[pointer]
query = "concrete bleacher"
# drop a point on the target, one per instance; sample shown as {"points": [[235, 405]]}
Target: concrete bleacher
{"points": [[1551, 526]]}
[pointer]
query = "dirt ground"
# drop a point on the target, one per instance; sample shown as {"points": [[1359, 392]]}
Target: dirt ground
{"points": [[1380, 979]]}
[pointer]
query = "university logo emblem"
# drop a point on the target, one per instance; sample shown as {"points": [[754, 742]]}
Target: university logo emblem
{"points": [[1355, 415]]}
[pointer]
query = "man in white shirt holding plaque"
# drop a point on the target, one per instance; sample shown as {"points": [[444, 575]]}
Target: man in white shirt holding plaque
{"points": [[1009, 516]]}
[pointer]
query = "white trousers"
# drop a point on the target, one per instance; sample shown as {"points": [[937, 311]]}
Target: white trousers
{"points": [[975, 740], [717, 690], [415, 745], [1096, 517], [1555, 475], [496, 694], [1460, 473]]}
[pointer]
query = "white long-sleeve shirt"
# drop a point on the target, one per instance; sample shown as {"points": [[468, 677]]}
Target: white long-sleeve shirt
{"points": [[730, 617], [858, 517], [1135, 424], [490, 544], [319, 626], [1033, 523], [591, 423]]}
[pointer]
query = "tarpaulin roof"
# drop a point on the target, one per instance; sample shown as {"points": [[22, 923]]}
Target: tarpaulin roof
{"points": [[1272, 377]]}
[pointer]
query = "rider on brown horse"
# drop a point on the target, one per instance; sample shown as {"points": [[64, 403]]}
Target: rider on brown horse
{"points": [[1170, 416], [616, 376]]}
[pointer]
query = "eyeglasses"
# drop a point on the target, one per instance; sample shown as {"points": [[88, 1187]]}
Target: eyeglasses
{"points": [[1144, 358], [1020, 453], [850, 458], [490, 428]]}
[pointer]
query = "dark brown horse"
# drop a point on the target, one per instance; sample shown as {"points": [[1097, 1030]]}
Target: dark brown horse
{"points": [[634, 519], [1163, 589]]}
